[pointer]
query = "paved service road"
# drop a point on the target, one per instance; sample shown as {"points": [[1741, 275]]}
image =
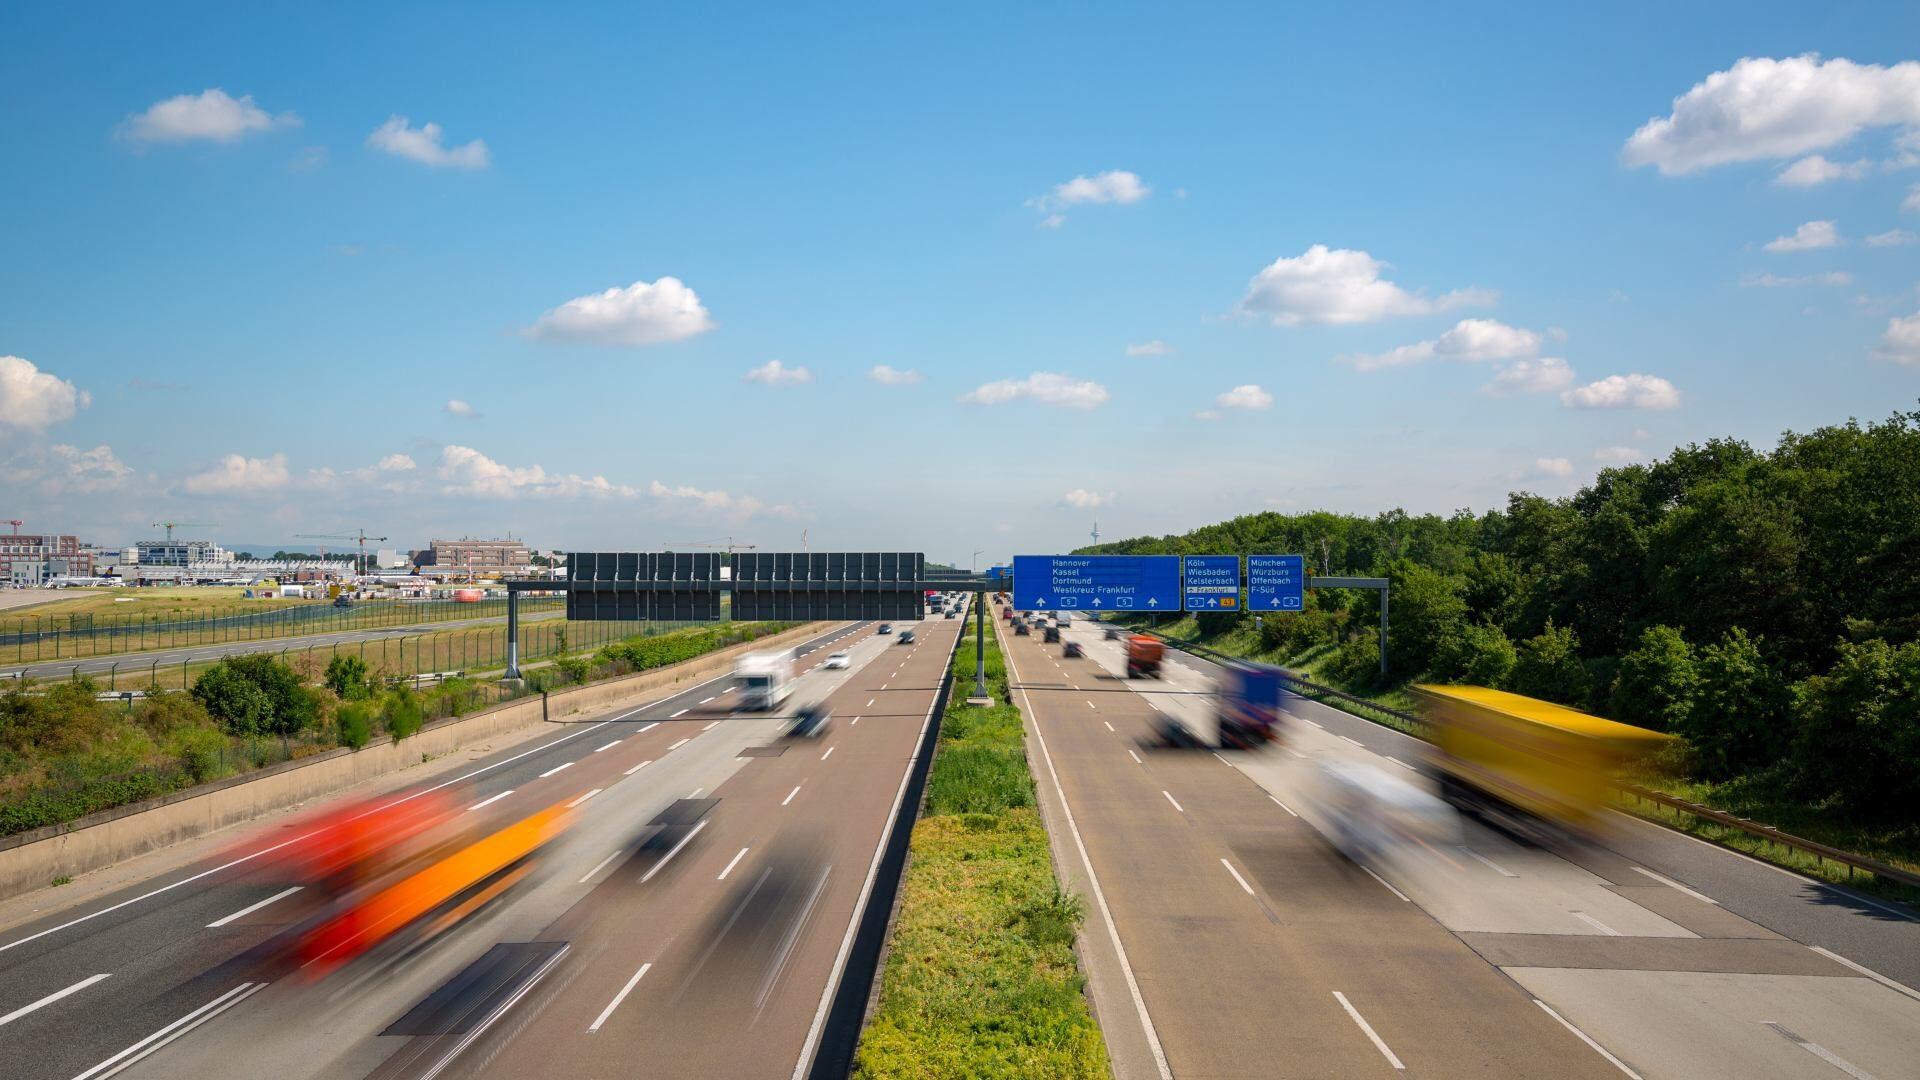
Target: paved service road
{"points": [[164, 974], [1650, 954]]}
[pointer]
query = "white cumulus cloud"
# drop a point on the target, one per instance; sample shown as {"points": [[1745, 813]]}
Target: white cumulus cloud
{"points": [[457, 407], [1045, 387], [1901, 342], [1762, 109], [1338, 287], [210, 114], [1470, 340], [1529, 376], [1814, 170], [423, 144], [32, 399], [643, 313], [393, 463], [467, 471], [87, 471], [1113, 187], [1893, 238], [735, 507], [891, 376], [1082, 499], [1553, 466], [1249, 397], [1156, 347], [1634, 391], [236, 474], [1813, 234], [775, 373]]}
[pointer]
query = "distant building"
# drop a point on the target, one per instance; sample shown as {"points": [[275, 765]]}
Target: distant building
{"points": [[446, 557], [30, 559], [181, 553], [389, 559]]}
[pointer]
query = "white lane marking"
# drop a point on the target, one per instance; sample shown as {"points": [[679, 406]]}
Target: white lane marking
{"points": [[555, 769], [1398, 762], [1355, 742], [1295, 753], [668, 857], [1672, 884], [1496, 867], [1596, 924], [1818, 1051], [246, 911], [695, 793], [493, 1017], [1378, 1043], [1868, 972], [1171, 799], [790, 795], [491, 801], [597, 867], [1224, 761], [1135, 757], [638, 767], [704, 700], [53, 997], [870, 702], [617, 999], [1282, 805], [1237, 877], [711, 726], [678, 745], [829, 753], [1111, 728], [644, 730], [609, 746], [678, 715], [731, 863], [883, 686], [1588, 1039], [1387, 883], [1304, 720], [585, 797], [172, 1031], [855, 721], [1091, 705]]}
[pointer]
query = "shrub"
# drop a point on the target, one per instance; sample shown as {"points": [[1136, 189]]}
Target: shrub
{"points": [[1477, 655], [403, 714], [353, 725], [276, 705], [1858, 739], [1657, 681], [1357, 661], [573, 668], [1549, 667], [234, 700], [347, 677], [202, 752], [1735, 722], [163, 712]]}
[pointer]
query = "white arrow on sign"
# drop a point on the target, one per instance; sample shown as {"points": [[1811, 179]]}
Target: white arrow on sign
{"points": [[1096, 601], [1039, 602], [1153, 601]]}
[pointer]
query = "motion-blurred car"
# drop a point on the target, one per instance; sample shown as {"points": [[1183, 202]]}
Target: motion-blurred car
{"points": [[837, 660], [906, 637], [1020, 629], [1072, 649], [811, 721], [1114, 633], [953, 614], [1052, 634], [885, 628]]}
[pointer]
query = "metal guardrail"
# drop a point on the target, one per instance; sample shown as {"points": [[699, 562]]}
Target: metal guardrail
{"points": [[1418, 727]]}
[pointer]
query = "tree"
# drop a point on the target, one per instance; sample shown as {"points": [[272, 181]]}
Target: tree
{"points": [[1427, 609], [1477, 655], [234, 699], [1737, 720], [290, 706], [347, 677], [1858, 737], [1657, 681], [1549, 667]]}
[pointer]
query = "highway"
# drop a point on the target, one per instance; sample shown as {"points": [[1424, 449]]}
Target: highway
{"points": [[715, 955], [1225, 937]]}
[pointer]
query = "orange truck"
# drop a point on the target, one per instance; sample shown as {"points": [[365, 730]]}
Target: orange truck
{"points": [[1143, 656]]}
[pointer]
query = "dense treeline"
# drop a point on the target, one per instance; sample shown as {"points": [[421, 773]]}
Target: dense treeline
{"points": [[1765, 605]]}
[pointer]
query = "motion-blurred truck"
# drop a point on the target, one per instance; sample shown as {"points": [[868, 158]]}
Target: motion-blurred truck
{"points": [[1143, 656], [1247, 715], [1527, 761], [764, 679]]}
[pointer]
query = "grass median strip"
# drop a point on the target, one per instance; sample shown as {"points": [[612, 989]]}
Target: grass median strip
{"points": [[981, 979]]}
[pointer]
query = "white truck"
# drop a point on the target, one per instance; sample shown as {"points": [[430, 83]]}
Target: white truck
{"points": [[764, 678]]}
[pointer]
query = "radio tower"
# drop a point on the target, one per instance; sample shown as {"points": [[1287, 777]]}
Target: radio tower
{"points": [[1096, 532]]}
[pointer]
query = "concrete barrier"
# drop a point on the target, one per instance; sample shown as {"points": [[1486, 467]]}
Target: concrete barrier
{"points": [[32, 860]]}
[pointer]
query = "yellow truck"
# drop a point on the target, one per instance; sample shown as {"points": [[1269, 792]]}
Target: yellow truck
{"points": [[1496, 751]]}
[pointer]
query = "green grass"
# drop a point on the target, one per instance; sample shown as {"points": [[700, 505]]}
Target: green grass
{"points": [[981, 979]]}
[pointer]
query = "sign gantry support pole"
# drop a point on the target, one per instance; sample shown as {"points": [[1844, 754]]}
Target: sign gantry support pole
{"points": [[981, 696]]}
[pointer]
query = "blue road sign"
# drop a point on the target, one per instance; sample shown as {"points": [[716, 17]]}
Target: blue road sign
{"points": [[1211, 582], [1096, 582], [999, 573], [1276, 582]]}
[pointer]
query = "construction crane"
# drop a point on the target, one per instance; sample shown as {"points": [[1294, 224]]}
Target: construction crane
{"points": [[172, 525], [16, 523], [728, 547], [360, 564]]}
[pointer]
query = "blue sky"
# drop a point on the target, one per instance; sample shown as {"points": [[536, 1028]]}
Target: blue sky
{"points": [[231, 266]]}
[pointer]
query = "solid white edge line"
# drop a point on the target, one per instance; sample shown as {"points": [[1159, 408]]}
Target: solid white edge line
{"points": [[1093, 884], [585, 797], [790, 795], [668, 857], [1379, 1043], [618, 998], [1236, 876], [638, 767], [1868, 972], [1672, 884], [557, 768], [241, 914], [53, 997], [167, 1034], [1170, 799], [601, 865], [1588, 1039], [812, 1044], [731, 863], [490, 800], [1281, 805], [1387, 883]]}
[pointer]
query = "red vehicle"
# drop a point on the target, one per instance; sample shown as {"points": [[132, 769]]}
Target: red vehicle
{"points": [[1006, 614], [1143, 656]]}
